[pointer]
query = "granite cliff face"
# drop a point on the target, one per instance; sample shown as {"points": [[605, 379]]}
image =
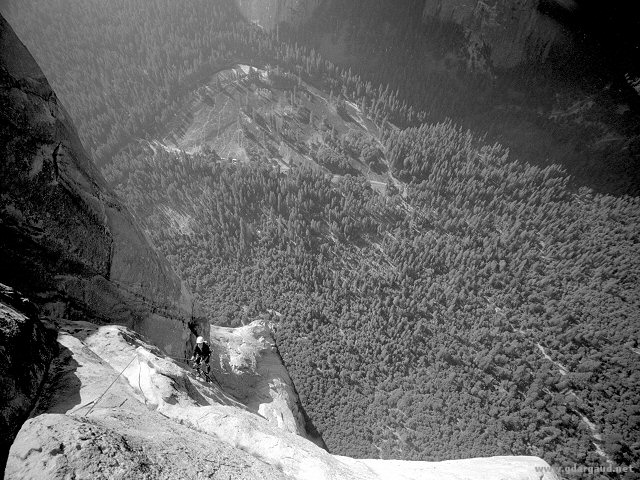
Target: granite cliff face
{"points": [[66, 243], [249, 367], [26, 349], [498, 33], [158, 421], [268, 13], [110, 401], [66, 240], [91, 422]]}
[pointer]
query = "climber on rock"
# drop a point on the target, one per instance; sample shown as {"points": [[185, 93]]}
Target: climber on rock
{"points": [[201, 355]]}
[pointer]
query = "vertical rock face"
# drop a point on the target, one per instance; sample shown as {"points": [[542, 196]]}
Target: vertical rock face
{"points": [[499, 33], [251, 369], [268, 13], [65, 239], [26, 348]]}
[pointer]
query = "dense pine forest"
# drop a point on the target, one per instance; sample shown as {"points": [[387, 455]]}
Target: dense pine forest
{"points": [[434, 296], [122, 67], [419, 327]]}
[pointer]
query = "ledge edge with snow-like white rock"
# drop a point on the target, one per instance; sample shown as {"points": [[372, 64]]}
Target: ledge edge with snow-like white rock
{"points": [[156, 391]]}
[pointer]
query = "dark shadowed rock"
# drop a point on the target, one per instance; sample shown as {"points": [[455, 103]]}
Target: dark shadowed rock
{"points": [[26, 349], [503, 34], [66, 240]]}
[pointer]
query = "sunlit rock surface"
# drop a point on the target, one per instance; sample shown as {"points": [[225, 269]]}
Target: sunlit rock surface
{"points": [[249, 366], [113, 405], [157, 412]]}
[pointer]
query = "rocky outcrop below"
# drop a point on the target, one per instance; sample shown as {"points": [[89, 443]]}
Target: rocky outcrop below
{"points": [[66, 241], [93, 422], [499, 33], [269, 13], [26, 349], [116, 406], [247, 365]]}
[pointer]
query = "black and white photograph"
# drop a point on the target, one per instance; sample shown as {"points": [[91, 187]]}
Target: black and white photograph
{"points": [[319, 240]]}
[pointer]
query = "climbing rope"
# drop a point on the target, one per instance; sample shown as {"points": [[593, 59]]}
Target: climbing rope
{"points": [[110, 385], [95, 402]]}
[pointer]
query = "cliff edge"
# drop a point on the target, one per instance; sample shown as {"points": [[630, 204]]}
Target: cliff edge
{"points": [[269, 13], [248, 365], [109, 401], [500, 34], [66, 241], [155, 420]]}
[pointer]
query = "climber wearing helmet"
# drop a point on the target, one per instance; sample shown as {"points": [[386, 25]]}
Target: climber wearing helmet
{"points": [[201, 355]]}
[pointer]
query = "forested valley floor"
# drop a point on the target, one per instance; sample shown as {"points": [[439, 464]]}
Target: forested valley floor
{"points": [[434, 296]]}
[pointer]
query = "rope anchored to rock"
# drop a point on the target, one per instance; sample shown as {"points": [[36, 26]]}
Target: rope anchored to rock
{"points": [[95, 402]]}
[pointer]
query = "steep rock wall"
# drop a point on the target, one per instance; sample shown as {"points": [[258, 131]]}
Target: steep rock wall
{"points": [[268, 13], [26, 349], [500, 33], [247, 364], [66, 240], [180, 427]]}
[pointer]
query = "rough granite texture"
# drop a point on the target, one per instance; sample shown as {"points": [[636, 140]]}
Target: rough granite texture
{"points": [[127, 446], [112, 405], [248, 366], [157, 421], [268, 13], [500, 33], [26, 349], [67, 243], [91, 422], [66, 240]]}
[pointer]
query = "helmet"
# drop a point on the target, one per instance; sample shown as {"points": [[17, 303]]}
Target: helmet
{"points": [[199, 340]]}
